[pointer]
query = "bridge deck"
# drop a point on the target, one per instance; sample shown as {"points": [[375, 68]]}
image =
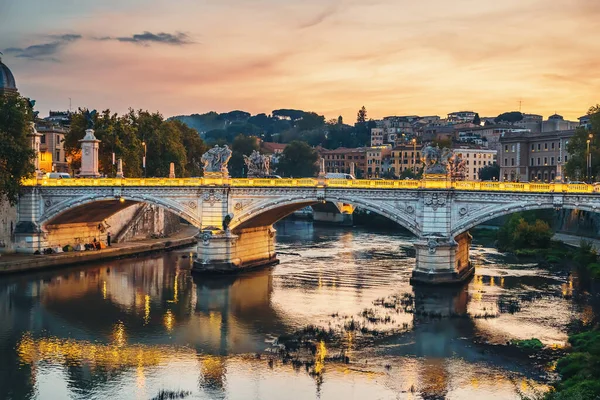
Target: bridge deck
{"points": [[319, 183]]}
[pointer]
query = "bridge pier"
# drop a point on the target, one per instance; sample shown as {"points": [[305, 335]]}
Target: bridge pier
{"points": [[442, 260], [334, 213], [223, 251]]}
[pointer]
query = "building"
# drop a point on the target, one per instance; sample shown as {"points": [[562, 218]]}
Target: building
{"points": [[558, 123], [486, 136], [475, 159], [405, 157], [461, 117], [272, 148], [377, 135], [526, 156], [340, 160], [533, 122], [45, 161], [52, 141], [7, 80]]}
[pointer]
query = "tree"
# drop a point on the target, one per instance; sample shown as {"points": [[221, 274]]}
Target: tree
{"points": [[340, 120], [242, 146], [490, 172], [577, 164], [16, 156], [361, 116], [509, 117], [311, 121], [477, 120], [298, 160]]}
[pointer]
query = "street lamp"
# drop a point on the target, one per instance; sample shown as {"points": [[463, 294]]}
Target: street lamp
{"points": [[144, 159], [589, 158], [414, 141]]}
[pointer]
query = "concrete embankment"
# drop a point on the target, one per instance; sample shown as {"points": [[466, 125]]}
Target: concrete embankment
{"points": [[14, 263]]}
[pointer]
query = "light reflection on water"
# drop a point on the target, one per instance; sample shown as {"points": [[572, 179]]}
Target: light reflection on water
{"points": [[130, 328]]}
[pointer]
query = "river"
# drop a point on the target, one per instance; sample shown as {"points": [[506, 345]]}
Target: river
{"points": [[131, 328]]}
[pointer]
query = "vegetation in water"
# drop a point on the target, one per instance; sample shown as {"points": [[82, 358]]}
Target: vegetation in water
{"points": [[528, 344], [524, 231]]}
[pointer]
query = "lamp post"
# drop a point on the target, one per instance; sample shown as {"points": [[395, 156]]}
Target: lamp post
{"points": [[589, 158], [144, 159], [414, 156]]}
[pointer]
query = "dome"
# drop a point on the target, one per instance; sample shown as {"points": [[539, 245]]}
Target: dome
{"points": [[7, 80]]}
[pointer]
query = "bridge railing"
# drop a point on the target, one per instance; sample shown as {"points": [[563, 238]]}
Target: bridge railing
{"points": [[314, 182]]}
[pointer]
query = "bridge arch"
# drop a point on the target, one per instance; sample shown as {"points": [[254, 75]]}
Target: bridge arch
{"points": [[71, 210], [507, 209], [268, 212]]}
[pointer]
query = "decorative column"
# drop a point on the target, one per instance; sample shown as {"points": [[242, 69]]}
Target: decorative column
{"points": [[172, 170], [352, 167], [34, 143], [89, 155], [120, 169]]}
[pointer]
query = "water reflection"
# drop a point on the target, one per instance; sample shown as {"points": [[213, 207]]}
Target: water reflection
{"points": [[130, 328]]}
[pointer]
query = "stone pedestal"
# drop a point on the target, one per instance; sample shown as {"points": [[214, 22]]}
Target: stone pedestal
{"points": [[223, 252], [89, 155], [442, 260]]}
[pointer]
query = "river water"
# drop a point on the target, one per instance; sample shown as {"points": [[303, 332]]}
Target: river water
{"points": [[136, 328]]}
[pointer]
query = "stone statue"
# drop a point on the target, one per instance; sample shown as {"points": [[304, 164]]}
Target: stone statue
{"points": [[456, 167], [216, 159], [89, 118], [258, 165], [434, 159]]}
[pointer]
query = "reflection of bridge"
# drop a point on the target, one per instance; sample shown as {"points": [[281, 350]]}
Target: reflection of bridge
{"points": [[236, 215]]}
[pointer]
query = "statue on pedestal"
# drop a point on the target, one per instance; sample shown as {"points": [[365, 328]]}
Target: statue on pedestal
{"points": [[434, 160], [258, 165], [215, 161]]}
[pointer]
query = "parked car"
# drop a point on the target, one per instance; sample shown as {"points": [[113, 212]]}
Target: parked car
{"points": [[58, 175], [338, 175]]}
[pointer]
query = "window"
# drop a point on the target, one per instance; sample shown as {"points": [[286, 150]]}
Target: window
{"points": [[43, 139], [532, 162], [565, 158], [57, 155], [539, 147], [551, 160], [506, 148], [559, 144], [539, 161], [545, 146], [545, 160], [558, 159], [512, 162], [513, 148], [532, 147], [505, 162], [552, 149]]}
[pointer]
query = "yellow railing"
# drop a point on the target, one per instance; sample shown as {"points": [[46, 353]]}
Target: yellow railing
{"points": [[315, 182]]}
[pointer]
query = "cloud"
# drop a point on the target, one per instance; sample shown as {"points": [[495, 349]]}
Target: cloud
{"points": [[319, 18], [146, 38], [44, 51]]}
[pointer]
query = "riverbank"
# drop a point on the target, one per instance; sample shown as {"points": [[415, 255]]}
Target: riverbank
{"points": [[14, 263]]}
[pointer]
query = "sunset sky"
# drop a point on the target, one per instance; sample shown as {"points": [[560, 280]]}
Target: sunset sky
{"points": [[395, 57]]}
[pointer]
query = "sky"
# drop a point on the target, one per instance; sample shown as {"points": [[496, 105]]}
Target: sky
{"points": [[395, 57]]}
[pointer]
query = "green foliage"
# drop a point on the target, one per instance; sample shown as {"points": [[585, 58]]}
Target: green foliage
{"points": [[490, 172], [166, 142], [477, 119], [16, 157], [242, 146], [409, 174], [509, 117], [577, 165], [519, 234], [298, 160], [580, 370], [528, 344], [361, 116]]}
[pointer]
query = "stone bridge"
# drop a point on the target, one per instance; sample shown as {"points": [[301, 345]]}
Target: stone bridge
{"points": [[236, 216]]}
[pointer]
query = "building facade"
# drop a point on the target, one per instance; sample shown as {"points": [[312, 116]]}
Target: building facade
{"points": [[534, 156], [461, 117], [476, 158], [52, 141], [405, 157]]}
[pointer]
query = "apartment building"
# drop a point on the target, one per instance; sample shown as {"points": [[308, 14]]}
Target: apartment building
{"points": [[476, 158], [534, 156], [405, 157]]}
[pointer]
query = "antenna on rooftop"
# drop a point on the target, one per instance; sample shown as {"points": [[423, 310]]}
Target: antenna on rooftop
{"points": [[69, 105], [520, 104]]}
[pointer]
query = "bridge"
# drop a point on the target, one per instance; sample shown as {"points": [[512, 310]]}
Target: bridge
{"points": [[236, 216]]}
